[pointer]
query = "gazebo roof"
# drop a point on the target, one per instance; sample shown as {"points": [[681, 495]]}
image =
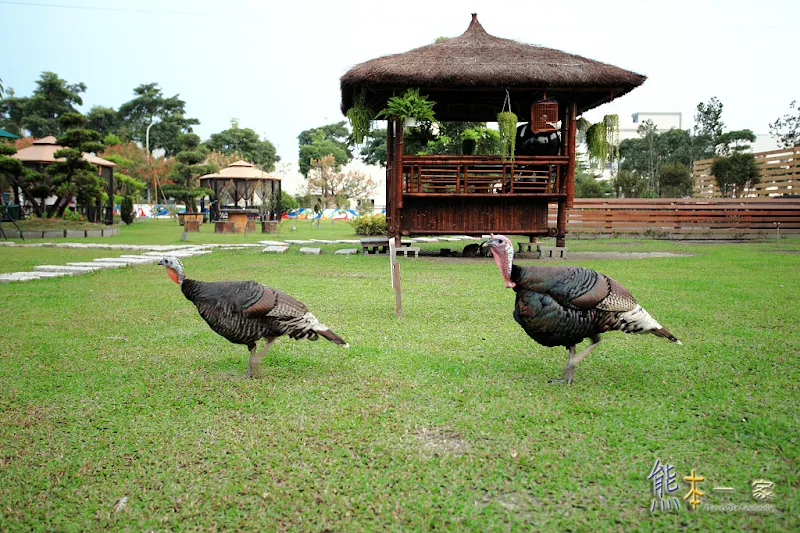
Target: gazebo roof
{"points": [[241, 170], [467, 76], [43, 149]]}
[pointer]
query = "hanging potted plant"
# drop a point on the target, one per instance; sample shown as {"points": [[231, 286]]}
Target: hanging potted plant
{"points": [[411, 105], [469, 141], [507, 124], [360, 116]]}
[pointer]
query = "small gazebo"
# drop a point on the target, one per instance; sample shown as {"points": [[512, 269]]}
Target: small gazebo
{"points": [[241, 190], [42, 153], [470, 77]]}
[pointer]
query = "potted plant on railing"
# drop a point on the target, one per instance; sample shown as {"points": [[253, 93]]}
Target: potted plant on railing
{"points": [[412, 108]]}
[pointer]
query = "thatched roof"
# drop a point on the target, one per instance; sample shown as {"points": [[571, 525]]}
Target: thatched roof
{"points": [[43, 150], [240, 170], [468, 75]]}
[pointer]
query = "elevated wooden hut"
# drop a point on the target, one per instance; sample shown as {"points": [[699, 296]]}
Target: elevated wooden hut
{"points": [[469, 78]]}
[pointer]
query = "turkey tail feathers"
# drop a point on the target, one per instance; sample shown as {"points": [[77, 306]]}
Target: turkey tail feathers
{"points": [[333, 337], [662, 332]]}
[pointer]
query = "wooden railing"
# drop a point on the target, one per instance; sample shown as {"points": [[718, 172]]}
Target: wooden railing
{"points": [[682, 218], [447, 175], [779, 171]]}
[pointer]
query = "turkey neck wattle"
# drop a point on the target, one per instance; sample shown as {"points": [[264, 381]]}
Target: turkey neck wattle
{"points": [[504, 261]]}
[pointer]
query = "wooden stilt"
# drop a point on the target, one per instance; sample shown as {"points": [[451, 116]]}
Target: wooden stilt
{"points": [[394, 243]]}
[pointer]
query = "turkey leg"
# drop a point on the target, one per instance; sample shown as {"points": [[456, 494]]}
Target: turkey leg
{"points": [[575, 359], [254, 364]]}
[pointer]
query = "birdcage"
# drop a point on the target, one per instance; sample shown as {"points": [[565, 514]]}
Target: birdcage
{"points": [[544, 116]]}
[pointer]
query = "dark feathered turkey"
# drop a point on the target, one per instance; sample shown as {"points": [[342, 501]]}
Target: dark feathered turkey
{"points": [[563, 305], [245, 312]]}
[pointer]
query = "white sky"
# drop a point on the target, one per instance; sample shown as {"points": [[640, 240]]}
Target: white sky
{"points": [[276, 65]]}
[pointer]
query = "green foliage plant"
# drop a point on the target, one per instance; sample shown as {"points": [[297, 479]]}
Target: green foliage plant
{"points": [[360, 116], [410, 105], [367, 225], [507, 124], [126, 210]]}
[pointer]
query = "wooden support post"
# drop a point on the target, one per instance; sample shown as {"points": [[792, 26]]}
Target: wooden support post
{"points": [[573, 129], [394, 244], [561, 223]]}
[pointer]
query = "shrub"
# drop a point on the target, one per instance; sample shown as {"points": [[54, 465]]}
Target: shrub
{"points": [[72, 216], [368, 225], [126, 210]]}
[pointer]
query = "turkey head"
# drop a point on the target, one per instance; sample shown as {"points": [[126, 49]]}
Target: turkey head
{"points": [[174, 268], [503, 251]]}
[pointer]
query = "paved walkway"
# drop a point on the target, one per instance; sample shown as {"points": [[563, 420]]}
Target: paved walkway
{"points": [[149, 254]]}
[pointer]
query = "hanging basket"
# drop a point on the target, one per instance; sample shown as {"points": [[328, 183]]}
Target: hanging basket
{"points": [[507, 124]]}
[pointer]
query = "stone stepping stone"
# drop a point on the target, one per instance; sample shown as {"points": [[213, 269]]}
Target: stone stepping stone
{"points": [[427, 239], [347, 251], [272, 243], [348, 241], [293, 241], [311, 251], [99, 264], [177, 253], [323, 241], [142, 258], [126, 260], [449, 239], [275, 249], [27, 276], [64, 268]]}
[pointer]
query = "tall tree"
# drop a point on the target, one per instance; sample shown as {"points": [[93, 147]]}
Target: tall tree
{"points": [[73, 175], [150, 106], [103, 119], [187, 170], [132, 160], [674, 180], [316, 143], [735, 141], [649, 134], [787, 127], [708, 127], [374, 149], [12, 112], [246, 142], [734, 173], [335, 187], [52, 98]]}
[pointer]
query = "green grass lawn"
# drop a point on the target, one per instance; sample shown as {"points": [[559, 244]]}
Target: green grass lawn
{"points": [[112, 386]]}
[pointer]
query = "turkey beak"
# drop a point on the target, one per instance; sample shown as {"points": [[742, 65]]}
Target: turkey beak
{"points": [[162, 262]]}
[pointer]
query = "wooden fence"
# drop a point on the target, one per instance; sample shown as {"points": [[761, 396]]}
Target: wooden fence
{"points": [[718, 218], [779, 170]]}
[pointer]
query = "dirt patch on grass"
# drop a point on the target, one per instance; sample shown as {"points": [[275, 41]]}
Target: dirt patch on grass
{"points": [[440, 441]]}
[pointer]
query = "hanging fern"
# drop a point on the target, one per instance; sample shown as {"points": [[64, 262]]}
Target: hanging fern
{"points": [[360, 116], [596, 143], [611, 123], [507, 124]]}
